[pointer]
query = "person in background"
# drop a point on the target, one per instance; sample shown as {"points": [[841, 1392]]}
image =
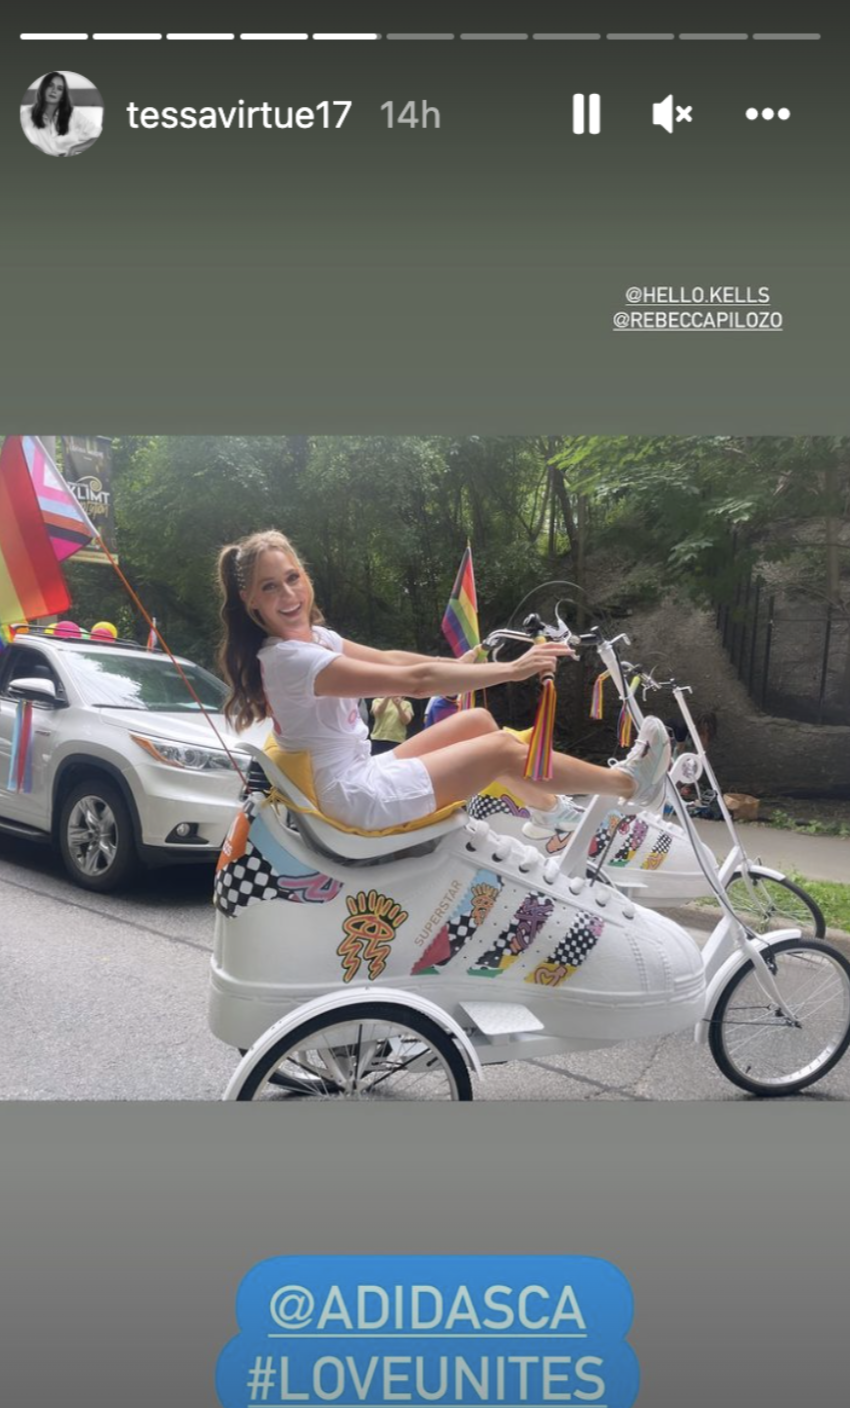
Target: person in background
{"points": [[392, 716], [439, 707]]}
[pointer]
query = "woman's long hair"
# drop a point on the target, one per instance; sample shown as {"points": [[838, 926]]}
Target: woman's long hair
{"points": [[64, 107], [244, 633]]}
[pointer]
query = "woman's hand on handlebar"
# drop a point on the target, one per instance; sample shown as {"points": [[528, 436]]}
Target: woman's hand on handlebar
{"points": [[541, 660]]}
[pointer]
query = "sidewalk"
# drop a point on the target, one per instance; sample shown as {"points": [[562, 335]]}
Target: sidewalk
{"points": [[816, 857]]}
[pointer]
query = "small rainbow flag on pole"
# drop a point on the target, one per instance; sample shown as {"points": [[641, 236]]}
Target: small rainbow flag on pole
{"points": [[460, 622], [31, 583]]}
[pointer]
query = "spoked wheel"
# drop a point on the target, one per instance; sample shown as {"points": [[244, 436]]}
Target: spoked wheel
{"points": [[369, 1051], [765, 903], [769, 1052]]}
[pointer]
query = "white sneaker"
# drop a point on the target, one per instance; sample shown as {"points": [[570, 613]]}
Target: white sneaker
{"points": [[647, 763], [563, 817]]}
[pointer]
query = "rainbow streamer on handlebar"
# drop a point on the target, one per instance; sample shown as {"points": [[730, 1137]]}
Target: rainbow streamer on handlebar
{"points": [[538, 764], [625, 723], [596, 699], [624, 728]]}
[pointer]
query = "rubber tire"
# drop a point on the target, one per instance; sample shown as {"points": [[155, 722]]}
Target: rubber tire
{"points": [[715, 1030], [810, 904], [126, 860], [374, 1011]]}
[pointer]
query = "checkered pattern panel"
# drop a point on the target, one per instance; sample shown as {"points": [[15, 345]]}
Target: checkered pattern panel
{"points": [[659, 852], [244, 881], [460, 930], [483, 805], [582, 936]]}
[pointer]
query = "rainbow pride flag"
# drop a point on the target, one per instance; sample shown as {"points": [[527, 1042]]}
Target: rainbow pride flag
{"points": [[460, 623], [31, 583], [68, 524]]}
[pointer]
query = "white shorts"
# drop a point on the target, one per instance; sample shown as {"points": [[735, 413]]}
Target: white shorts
{"points": [[378, 792]]}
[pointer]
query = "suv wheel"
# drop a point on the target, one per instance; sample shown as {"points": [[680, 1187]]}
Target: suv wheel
{"points": [[96, 835]]}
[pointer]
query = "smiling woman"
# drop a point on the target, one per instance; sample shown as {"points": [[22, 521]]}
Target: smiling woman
{"points": [[283, 664], [62, 114]]}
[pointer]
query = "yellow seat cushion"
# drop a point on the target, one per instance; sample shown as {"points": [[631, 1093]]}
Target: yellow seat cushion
{"points": [[298, 767]]}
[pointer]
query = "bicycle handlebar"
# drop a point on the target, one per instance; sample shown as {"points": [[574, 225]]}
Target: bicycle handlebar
{"points": [[536, 630]]}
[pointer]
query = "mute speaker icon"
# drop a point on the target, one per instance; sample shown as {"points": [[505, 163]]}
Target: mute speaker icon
{"points": [[662, 113]]}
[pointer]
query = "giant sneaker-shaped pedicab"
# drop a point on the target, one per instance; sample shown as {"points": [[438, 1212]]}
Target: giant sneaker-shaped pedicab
{"points": [[394, 964]]}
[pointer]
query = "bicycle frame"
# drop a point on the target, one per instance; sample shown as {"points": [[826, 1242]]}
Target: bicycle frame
{"points": [[729, 934], [737, 858]]}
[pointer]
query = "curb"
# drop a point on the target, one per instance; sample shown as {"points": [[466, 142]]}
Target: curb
{"points": [[704, 918]]}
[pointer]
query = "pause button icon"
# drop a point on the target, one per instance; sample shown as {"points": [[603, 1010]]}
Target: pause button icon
{"points": [[586, 112]]}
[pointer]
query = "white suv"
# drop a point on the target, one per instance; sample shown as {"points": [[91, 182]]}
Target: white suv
{"points": [[125, 768]]}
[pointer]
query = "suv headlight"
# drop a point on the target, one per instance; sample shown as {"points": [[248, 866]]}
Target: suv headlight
{"points": [[187, 755]]}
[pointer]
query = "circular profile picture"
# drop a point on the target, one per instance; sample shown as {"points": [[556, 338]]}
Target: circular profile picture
{"points": [[62, 113]]}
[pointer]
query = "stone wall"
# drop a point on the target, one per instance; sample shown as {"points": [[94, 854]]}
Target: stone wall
{"points": [[753, 752]]}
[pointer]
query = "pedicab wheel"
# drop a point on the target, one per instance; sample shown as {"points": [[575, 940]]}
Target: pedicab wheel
{"points": [[369, 1051], [768, 1052], [767, 903]]}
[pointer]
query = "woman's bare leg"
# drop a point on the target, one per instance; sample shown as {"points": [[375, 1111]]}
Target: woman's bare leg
{"points": [[465, 767], [467, 723], [461, 728]]}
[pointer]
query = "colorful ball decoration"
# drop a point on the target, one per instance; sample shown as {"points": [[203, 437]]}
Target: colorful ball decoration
{"points": [[20, 628], [51, 629], [104, 630], [68, 630]]}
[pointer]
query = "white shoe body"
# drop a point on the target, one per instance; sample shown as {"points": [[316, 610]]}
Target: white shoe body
{"points": [[480, 916]]}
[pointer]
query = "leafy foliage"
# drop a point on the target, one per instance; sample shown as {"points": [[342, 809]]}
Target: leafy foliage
{"points": [[382, 521]]}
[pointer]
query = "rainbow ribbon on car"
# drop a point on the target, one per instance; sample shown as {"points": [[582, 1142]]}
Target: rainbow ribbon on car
{"points": [[20, 766]]}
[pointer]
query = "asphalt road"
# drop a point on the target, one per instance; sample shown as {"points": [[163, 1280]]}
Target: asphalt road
{"points": [[104, 998]]}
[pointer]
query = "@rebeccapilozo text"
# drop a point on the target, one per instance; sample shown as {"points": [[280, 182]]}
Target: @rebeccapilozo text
{"points": [[329, 113]]}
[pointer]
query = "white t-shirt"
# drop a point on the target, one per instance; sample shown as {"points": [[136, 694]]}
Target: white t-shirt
{"points": [[352, 785], [329, 729], [81, 128]]}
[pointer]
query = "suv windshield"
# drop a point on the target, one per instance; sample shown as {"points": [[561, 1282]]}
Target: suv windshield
{"points": [[142, 682]]}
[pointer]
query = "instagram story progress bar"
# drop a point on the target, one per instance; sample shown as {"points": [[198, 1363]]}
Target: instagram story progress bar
{"points": [[587, 113]]}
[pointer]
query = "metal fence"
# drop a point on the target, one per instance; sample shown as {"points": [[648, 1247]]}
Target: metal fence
{"points": [[793, 657]]}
